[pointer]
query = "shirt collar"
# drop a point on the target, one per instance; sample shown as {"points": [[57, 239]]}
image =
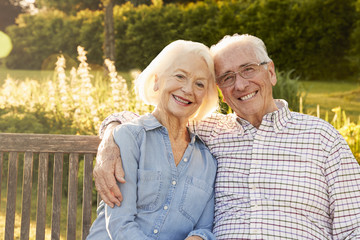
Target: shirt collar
{"points": [[278, 118], [150, 123], [281, 116]]}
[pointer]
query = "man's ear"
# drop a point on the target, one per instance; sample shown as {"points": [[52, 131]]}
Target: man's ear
{"points": [[271, 69], [156, 83]]}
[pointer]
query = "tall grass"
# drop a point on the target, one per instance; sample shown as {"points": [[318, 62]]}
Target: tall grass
{"points": [[77, 102]]}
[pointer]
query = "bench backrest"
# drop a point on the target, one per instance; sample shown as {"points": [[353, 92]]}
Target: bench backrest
{"points": [[44, 145]]}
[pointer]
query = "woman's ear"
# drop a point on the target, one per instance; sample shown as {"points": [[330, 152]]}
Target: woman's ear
{"points": [[156, 83]]}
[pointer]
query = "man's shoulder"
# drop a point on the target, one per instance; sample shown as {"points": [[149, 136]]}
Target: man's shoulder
{"points": [[309, 122], [216, 124], [218, 119]]}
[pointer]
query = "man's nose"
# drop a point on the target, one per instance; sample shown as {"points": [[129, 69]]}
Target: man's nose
{"points": [[240, 82]]}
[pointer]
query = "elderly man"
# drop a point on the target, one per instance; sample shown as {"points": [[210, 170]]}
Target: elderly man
{"points": [[281, 174]]}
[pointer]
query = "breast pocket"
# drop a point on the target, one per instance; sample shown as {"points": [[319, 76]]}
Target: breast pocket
{"points": [[148, 189], [194, 199]]}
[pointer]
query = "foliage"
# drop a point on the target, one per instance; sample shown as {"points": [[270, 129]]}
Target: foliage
{"points": [[307, 36], [28, 37], [288, 88], [70, 6], [8, 13], [74, 104], [349, 130]]}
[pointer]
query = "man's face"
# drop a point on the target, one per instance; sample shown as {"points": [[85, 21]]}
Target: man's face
{"points": [[249, 98]]}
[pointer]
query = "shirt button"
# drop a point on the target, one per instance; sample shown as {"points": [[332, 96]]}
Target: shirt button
{"points": [[185, 159], [156, 231], [166, 207], [173, 182]]}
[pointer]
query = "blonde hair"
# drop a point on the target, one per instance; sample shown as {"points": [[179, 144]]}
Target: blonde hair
{"points": [[144, 84]]}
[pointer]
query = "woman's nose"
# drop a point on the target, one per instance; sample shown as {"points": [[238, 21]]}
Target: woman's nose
{"points": [[187, 88]]}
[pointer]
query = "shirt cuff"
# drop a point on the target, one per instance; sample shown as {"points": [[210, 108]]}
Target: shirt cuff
{"points": [[203, 233]]}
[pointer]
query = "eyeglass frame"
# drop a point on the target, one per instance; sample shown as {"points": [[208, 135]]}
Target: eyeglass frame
{"points": [[238, 72]]}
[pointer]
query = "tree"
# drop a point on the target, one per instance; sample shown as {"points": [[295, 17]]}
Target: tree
{"points": [[8, 13], [70, 6], [109, 40]]}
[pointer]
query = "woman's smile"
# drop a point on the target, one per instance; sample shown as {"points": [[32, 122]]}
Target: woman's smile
{"points": [[181, 101]]}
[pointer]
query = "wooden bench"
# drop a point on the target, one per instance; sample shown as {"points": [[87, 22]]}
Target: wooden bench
{"points": [[43, 145]]}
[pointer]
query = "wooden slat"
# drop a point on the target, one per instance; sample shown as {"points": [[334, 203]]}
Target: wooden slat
{"points": [[87, 193], [26, 196], [72, 196], [42, 194], [16, 142], [11, 196], [57, 193]]}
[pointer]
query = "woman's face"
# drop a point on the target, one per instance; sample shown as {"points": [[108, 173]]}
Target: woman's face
{"points": [[183, 86]]}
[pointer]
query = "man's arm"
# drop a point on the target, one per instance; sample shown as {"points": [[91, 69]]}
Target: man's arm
{"points": [[343, 175], [108, 163], [108, 167]]}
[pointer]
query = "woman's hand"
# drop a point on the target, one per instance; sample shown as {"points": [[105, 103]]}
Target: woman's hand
{"points": [[108, 167]]}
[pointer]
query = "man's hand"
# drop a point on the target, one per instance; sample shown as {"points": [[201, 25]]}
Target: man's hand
{"points": [[108, 166]]}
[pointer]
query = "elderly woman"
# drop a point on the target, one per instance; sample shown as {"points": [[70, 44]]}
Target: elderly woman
{"points": [[170, 173]]}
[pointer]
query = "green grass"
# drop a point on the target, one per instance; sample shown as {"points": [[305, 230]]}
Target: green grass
{"points": [[25, 74], [329, 95], [45, 75]]}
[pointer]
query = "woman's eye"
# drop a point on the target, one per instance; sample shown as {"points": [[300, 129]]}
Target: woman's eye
{"points": [[180, 76], [200, 84]]}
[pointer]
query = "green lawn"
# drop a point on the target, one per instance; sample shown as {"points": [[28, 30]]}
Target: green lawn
{"points": [[333, 94]]}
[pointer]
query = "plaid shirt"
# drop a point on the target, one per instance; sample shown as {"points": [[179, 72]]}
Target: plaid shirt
{"points": [[293, 178]]}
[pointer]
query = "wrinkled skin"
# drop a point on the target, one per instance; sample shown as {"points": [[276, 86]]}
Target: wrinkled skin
{"points": [[108, 162]]}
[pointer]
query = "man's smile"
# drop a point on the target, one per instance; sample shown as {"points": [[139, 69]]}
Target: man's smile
{"points": [[247, 97]]}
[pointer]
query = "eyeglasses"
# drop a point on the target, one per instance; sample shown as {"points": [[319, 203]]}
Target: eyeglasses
{"points": [[247, 71]]}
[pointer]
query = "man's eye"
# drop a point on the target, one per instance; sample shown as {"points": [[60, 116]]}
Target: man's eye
{"points": [[228, 77], [248, 69]]}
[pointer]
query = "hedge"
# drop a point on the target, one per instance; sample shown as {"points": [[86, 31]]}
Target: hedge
{"points": [[317, 38]]}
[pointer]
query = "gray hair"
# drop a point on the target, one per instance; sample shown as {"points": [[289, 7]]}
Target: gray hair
{"points": [[257, 44], [144, 84]]}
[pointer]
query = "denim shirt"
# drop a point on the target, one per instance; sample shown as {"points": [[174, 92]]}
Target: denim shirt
{"points": [[161, 200]]}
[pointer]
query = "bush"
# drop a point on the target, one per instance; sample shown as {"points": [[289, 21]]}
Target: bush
{"points": [[288, 88], [308, 36]]}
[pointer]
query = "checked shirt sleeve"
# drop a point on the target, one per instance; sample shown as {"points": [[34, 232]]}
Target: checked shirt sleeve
{"points": [[343, 175], [121, 117]]}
